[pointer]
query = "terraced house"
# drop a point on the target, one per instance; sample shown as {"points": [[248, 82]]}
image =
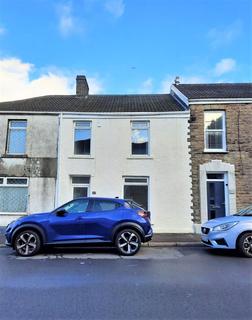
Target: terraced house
{"points": [[184, 156], [220, 146], [131, 146]]}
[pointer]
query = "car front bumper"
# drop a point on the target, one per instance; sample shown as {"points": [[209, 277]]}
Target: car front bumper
{"points": [[218, 240], [7, 243]]}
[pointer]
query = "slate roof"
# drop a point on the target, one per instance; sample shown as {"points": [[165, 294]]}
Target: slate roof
{"points": [[216, 90], [95, 103]]}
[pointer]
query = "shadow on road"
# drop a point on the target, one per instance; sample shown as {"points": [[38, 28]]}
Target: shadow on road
{"points": [[79, 250], [223, 252]]}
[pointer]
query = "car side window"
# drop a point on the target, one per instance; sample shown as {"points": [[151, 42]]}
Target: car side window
{"points": [[104, 205], [76, 206]]}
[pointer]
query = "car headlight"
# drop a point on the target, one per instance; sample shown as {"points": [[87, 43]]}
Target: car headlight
{"points": [[225, 226]]}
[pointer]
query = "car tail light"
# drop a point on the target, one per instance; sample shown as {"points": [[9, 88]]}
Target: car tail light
{"points": [[144, 214]]}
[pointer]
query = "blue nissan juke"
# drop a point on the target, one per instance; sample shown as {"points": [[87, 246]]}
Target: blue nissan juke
{"points": [[122, 223]]}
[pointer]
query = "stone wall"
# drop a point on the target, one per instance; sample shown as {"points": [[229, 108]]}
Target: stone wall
{"points": [[239, 150]]}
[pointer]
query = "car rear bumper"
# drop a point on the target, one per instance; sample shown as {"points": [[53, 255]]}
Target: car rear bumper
{"points": [[148, 236]]}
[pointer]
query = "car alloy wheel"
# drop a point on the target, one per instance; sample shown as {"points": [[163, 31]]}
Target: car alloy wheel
{"points": [[27, 243], [128, 242], [245, 245]]}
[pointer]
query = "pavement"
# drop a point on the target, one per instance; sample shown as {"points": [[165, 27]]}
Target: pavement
{"points": [[168, 283], [158, 240]]}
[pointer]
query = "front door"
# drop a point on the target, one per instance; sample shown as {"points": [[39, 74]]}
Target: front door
{"points": [[216, 196]]}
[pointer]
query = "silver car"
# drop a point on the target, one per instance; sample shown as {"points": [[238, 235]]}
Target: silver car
{"points": [[230, 232]]}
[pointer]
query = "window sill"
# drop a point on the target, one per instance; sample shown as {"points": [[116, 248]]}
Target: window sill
{"points": [[14, 155], [80, 157], [140, 157], [215, 151]]}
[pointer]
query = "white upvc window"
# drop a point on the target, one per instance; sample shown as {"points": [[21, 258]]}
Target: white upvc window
{"points": [[80, 185], [140, 138], [16, 143], [13, 194], [215, 131], [137, 189], [82, 137]]}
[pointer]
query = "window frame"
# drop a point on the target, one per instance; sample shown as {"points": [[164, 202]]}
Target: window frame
{"points": [[6, 185], [78, 155], [80, 185], [9, 134], [223, 130], [147, 183], [148, 143]]}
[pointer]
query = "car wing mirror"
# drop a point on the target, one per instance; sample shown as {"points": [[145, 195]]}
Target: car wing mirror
{"points": [[61, 212]]}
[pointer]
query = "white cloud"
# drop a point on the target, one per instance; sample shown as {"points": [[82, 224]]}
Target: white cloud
{"points": [[115, 7], [224, 66], [2, 31], [16, 82], [146, 86], [95, 85], [225, 36], [138, 136], [68, 23]]}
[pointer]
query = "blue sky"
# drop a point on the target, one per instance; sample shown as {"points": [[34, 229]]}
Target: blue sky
{"points": [[122, 46]]}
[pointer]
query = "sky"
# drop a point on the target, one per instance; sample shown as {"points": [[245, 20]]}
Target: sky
{"points": [[122, 46]]}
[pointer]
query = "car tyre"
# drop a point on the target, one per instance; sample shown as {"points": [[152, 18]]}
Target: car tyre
{"points": [[245, 244], [128, 242], [27, 243]]}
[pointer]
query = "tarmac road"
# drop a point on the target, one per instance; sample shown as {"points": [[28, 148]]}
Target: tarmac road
{"points": [[158, 283]]}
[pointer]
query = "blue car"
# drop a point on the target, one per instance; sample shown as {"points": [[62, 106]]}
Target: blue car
{"points": [[231, 232], [122, 223]]}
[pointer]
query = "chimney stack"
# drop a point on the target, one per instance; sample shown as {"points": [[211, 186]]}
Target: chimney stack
{"points": [[81, 86]]}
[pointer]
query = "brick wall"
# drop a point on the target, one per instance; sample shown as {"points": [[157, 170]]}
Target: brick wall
{"points": [[239, 150]]}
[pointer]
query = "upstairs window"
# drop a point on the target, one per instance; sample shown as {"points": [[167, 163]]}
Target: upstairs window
{"points": [[140, 137], [82, 137], [215, 131], [16, 143]]}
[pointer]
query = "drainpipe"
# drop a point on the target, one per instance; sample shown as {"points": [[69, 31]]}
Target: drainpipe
{"points": [[58, 178]]}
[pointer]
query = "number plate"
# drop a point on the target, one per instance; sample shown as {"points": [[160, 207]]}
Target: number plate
{"points": [[204, 237]]}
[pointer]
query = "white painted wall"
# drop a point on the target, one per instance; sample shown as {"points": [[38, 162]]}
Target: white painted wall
{"points": [[168, 166]]}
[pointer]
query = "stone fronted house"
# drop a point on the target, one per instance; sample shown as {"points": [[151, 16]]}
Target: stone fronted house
{"points": [[220, 146]]}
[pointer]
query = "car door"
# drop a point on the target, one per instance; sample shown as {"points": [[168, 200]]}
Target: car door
{"points": [[68, 225], [100, 220]]}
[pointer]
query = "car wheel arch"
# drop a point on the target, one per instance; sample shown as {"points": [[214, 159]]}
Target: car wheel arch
{"points": [[239, 237], [29, 226], [128, 225]]}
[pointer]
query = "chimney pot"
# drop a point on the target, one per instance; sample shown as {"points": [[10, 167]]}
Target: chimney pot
{"points": [[177, 80], [82, 88]]}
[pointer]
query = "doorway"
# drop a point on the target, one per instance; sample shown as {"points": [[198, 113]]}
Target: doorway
{"points": [[216, 195]]}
